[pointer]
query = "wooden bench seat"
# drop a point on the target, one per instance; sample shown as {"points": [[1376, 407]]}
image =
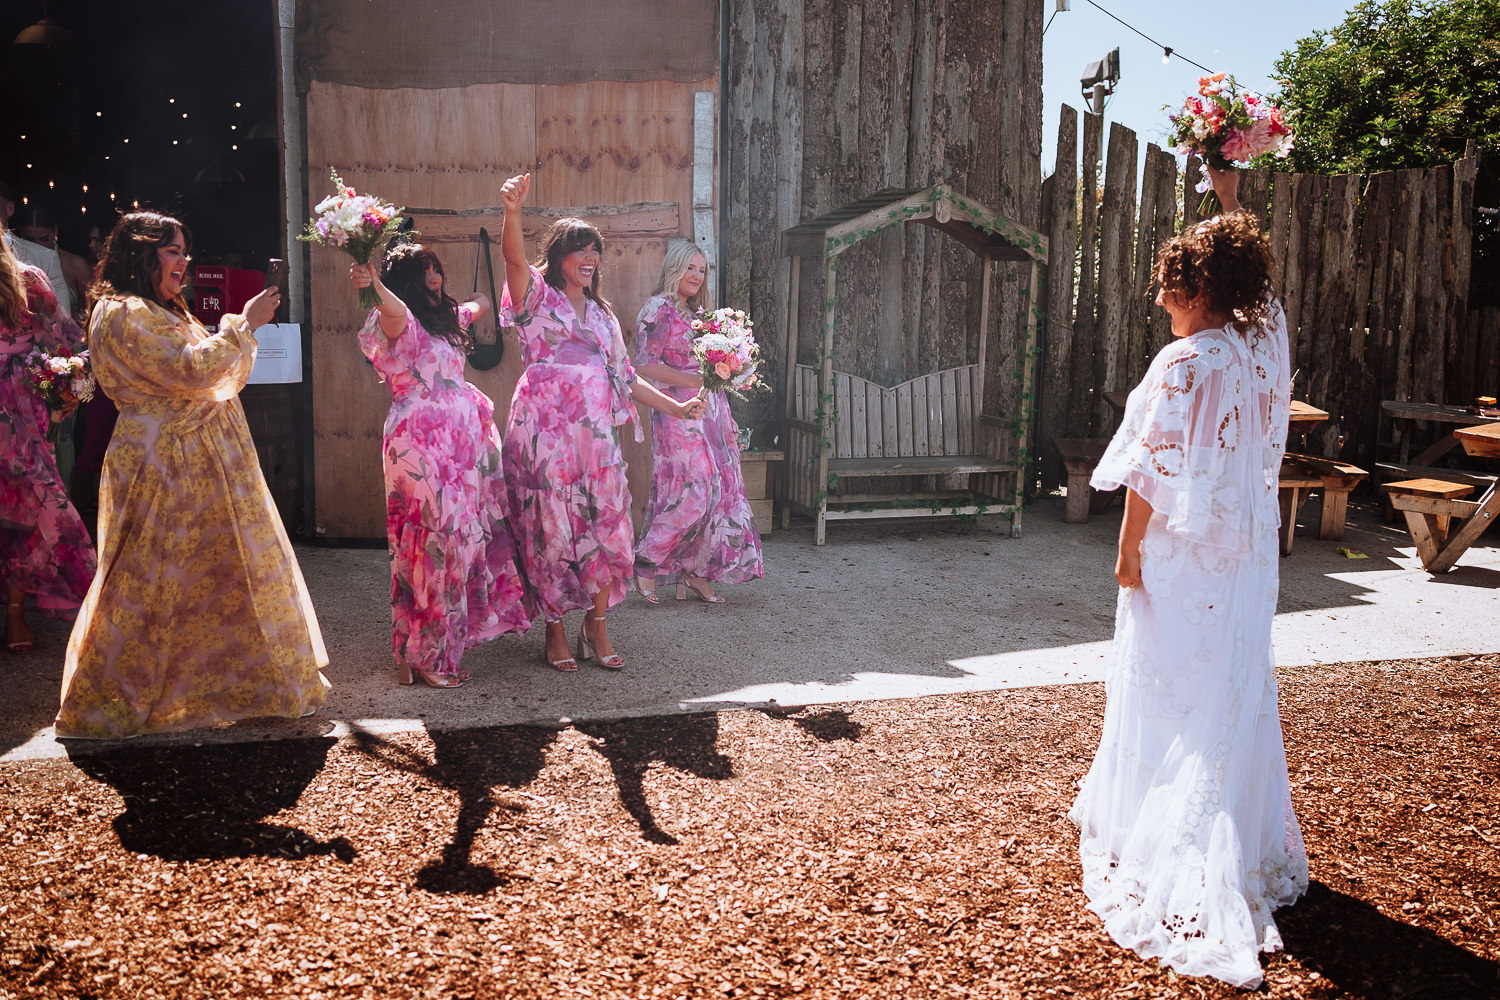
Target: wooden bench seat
{"points": [[1080, 456], [1429, 506], [928, 428], [1333, 479]]}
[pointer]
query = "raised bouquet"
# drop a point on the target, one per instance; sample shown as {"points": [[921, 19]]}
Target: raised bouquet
{"points": [[727, 352], [62, 380], [356, 224], [1226, 124]]}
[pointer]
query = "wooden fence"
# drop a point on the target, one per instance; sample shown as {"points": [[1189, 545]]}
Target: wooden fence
{"points": [[1373, 271]]}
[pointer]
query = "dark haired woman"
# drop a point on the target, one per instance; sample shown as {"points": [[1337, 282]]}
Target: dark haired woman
{"points": [[198, 614], [1188, 838], [569, 503], [454, 579], [44, 550]]}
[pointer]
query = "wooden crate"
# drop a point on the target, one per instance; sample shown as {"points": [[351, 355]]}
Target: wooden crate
{"points": [[755, 466]]}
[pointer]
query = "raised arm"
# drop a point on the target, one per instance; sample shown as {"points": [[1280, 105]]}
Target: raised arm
{"points": [[1227, 186], [392, 309], [512, 240]]}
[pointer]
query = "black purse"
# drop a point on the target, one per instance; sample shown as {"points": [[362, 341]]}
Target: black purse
{"points": [[486, 355]]}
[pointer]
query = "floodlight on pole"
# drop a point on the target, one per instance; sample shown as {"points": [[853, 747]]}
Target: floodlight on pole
{"points": [[1099, 79]]}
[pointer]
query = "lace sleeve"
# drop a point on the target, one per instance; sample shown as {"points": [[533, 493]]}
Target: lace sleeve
{"points": [[1179, 446]]}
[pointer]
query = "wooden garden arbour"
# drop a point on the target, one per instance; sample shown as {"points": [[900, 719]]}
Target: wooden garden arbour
{"points": [[938, 428]]}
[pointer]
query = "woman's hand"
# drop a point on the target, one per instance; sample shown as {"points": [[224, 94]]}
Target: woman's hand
{"points": [[1226, 185], [692, 409], [363, 275], [513, 192], [1128, 567], [262, 309]]}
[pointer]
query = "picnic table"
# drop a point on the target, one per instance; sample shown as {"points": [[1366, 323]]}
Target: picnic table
{"points": [[1429, 504], [1403, 412]]}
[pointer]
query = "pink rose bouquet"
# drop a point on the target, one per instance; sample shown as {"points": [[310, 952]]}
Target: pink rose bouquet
{"points": [[1225, 125], [727, 351], [356, 224], [62, 380]]}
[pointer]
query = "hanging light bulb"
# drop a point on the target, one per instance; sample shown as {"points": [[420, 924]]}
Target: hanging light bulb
{"points": [[85, 189], [50, 185], [1166, 55], [84, 209]]}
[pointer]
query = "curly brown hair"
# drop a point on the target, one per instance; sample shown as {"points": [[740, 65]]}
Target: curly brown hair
{"points": [[1226, 260], [129, 265]]}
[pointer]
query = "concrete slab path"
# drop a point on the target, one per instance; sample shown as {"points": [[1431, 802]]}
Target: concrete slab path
{"points": [[884, 610]]}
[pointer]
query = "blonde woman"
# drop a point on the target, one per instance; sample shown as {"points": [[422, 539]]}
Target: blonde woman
{"points": [[698, 529]]}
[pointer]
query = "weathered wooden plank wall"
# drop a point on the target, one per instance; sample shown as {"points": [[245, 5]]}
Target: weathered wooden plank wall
{"points": [[618, 154], [830, 102], [1373, 271]]}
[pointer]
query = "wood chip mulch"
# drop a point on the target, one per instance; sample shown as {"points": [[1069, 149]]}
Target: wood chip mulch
{"points": [[914, 849]]}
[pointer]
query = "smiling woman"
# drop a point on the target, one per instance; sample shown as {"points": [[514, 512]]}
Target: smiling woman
{"points": [[199, 614]]}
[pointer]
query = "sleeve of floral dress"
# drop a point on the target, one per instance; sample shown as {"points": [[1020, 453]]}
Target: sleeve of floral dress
{"points": [[514, 314], [55, 329], [1179, 444], [652, 328], [162, 356]]}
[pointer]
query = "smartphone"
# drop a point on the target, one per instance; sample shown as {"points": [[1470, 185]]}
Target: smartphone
{"points": [[276, 276]]}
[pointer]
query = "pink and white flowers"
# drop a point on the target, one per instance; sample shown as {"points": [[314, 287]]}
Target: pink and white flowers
{"points": [[354, 223], [62, 380], [1225, 124], [727, 351]]}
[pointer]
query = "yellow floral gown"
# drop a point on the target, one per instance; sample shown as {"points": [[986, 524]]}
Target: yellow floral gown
{"points": [[198, 614]]}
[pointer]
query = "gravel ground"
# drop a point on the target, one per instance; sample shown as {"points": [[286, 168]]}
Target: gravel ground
{"points": [[913, 848]]}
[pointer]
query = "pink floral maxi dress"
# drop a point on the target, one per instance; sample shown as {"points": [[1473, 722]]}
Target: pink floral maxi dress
{"points": [[1188, 839], [698, 521], [454, 578], [569, 502], [44, 548]]}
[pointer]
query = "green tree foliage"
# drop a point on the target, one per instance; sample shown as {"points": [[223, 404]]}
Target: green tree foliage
{"points": [[1401, 83]]}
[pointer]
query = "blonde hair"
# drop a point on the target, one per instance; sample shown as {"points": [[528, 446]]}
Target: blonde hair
{"points": [[12, 288], [674, 265]]}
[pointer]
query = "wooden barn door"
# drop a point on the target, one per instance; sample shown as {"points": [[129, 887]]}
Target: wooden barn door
{"points": [[621, 155]]}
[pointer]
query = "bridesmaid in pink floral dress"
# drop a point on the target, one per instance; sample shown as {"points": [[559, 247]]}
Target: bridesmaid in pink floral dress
{"points": [[569, 503], [44, 549], [698, 529], [454, 578]]}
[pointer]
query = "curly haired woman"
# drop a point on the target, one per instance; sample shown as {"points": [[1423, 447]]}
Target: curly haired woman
{"points": [[1188, 838]]}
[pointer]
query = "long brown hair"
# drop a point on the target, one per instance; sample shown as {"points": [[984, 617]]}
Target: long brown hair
{"points": [[405, 273], [129, 264], [562, 238]]}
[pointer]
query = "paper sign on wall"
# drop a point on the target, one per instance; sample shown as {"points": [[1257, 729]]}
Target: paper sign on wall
{"points": [[278, 358]]}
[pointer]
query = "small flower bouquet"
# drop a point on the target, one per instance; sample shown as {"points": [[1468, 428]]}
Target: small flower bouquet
{"points": [[1225, 125], [727, 351], [62, 380], [356, 224]]}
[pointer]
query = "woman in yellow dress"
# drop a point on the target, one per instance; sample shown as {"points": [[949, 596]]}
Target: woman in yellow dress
{"points": [[198, 614]]}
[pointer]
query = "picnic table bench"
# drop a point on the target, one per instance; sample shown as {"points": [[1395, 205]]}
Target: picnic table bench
{"points": [[1430, 504]]}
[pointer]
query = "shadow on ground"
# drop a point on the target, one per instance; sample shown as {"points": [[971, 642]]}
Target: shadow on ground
{"points": [[1368, 954], [185, 802]]}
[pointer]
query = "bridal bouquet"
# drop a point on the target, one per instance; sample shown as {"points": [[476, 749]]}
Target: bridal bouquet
{"points": [[356, 224], [727, 351], [62, 380], [1225, 125]]}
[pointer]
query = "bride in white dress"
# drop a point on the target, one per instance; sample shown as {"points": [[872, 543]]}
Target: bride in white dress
{"points": [[1187, 836]]}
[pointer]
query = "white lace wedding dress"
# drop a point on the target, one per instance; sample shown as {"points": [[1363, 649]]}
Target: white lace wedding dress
{"points": [[1187, 835]]}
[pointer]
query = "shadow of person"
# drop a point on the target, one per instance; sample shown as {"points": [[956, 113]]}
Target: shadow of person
{"points": [[824, 724], [207, 802], [1365, 953], [470, 762], [687, 742]]}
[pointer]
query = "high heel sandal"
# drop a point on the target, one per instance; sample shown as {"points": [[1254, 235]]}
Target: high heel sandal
{"points": [[21, 646], [648, 595], [567, 664], [406, 675], [587, 651], [703, 593]]}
